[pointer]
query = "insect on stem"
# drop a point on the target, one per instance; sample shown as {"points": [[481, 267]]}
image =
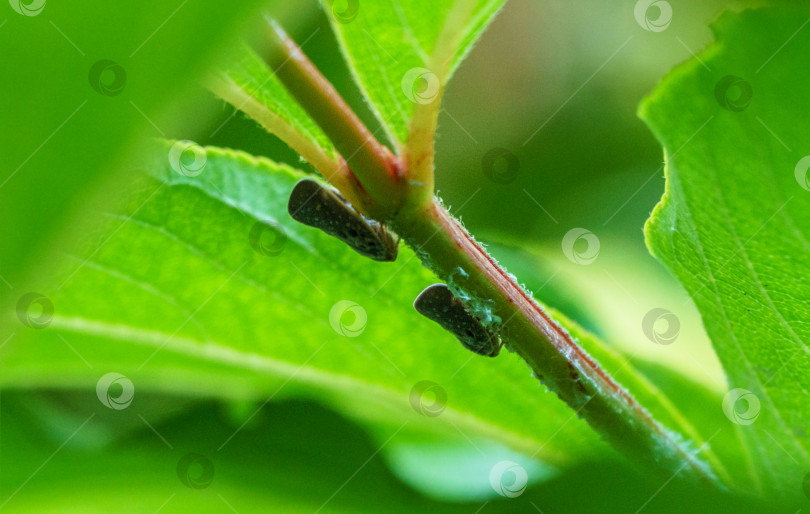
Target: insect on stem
{"points": [[377, 169], [322, 207], [439, 304]]}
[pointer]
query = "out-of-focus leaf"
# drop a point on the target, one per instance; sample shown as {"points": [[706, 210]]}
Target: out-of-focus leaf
{"points": [[79, 82], [282, 463]]}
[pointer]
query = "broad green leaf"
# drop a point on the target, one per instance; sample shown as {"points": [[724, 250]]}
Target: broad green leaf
{"points": [[733, 226], [392, 44], [240, 301]]}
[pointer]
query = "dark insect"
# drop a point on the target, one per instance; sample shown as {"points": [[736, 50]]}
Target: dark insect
{"points": [[439, 304], [316, 205]]}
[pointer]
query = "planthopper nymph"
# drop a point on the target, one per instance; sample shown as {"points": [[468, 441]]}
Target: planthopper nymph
{"points": [[438, 303], [322, 207]]}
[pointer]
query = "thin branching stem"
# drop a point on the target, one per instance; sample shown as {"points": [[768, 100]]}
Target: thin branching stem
{"points": [[443, 245], [376, 167], [333, 168]]}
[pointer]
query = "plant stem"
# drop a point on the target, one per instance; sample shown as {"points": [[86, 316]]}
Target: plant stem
{"points": [[552, 354], [419, 152], [366, 156], [333, 168], [443, 245]]}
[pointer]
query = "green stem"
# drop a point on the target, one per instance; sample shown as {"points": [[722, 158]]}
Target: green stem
{"points": [[552, 354], [374, 165], [554, 357]]}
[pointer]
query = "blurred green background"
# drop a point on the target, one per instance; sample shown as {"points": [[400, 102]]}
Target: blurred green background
{"points": [[556, 83]]}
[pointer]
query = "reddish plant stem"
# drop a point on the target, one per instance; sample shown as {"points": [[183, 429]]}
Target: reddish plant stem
{"points": [[553, 355], [366, 156]]}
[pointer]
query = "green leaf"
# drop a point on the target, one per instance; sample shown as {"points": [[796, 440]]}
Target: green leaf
{"points": [[394, 50], [237, 301], [733, 226], [246, 82]]}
